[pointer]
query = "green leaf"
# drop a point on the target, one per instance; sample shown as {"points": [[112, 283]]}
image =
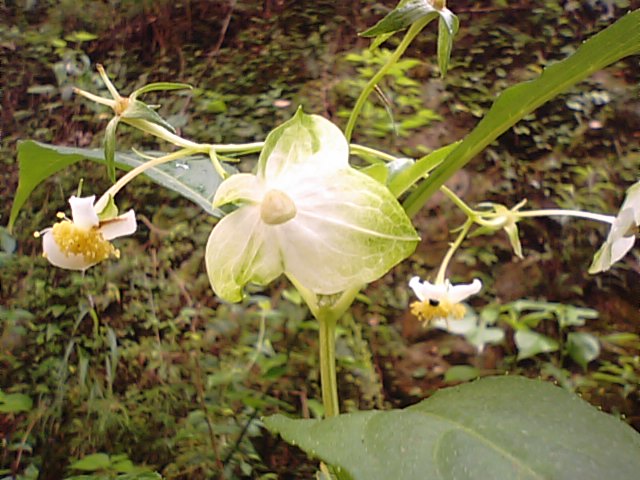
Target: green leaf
{"points": [[405, 14], [92, 463], [193, 177], [110, 147], [448, 25], [14, 402], [532, 343], [582, 348], [610, 45], [407, 177], [494, 428], [142, 111], [160, 86]]}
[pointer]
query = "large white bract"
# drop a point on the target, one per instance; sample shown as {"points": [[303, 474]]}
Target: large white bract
{"points": [[622, 235], [308, 214]]}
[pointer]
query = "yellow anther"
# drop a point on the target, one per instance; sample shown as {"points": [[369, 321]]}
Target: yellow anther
{"points": [[89, 243], [61, 215], [37, 234], [427, 311]]}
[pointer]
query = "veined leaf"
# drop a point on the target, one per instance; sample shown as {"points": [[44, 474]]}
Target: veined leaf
{"points": [[406, 13], [608, 46], [141, 110], [192, 177], [159, 86], [494, 428]]}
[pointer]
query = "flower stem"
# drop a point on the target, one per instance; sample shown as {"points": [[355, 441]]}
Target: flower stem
{"points": [[328, 380], [567, 213], [452, 249], [131, 174], [361, 149], [406, 41]]}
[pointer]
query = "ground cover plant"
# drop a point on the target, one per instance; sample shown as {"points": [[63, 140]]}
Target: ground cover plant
{"points": [[330, 225]]}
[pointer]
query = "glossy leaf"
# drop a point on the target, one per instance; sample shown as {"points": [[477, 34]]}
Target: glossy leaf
{"points": [[582, 347], [192, 177], [448, 25], [494, 428], [610, 45], [531, 343]]}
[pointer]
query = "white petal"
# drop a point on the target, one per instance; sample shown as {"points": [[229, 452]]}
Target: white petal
{"points": [[428, 291], [241, 249], [632, 201], [58, 258], [620, 247], [458, 293], [120, 226], [82, 211], [621, 225]]}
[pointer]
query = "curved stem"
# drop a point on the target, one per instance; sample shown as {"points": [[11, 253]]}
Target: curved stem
{"points": [[131, 174], [361, 149], [566, 213], [406, 41], [458, 201], [452, 249], [328, 381]]}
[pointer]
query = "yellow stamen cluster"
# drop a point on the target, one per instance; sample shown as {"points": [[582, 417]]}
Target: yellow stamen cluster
{"points": [[428, 311], [80, 241]]}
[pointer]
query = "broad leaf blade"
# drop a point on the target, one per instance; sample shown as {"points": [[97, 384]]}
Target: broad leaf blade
{"points": [[192, 177], [499, 427], [608, 46]]}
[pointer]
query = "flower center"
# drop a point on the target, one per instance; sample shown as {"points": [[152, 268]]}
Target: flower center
{"points": [[89, 243], [277, 208], [431, 310]]}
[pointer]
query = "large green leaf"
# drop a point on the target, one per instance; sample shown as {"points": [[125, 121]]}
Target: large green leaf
{"points": [[615, 42], [494, 428], [192, 177]]}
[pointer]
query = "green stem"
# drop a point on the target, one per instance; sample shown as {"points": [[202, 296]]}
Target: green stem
{"points": [[567, 213], [362, 150], [458, 201], [131, 174], [406, 41], [452, 249], [328, 379]]}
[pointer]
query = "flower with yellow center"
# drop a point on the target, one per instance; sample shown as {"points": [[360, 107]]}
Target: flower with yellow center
{"points": [[82, 242], [441, 301]]}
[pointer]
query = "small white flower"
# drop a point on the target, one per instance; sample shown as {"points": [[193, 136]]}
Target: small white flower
{"points": [[82, 242], [622, 235], [308, 214], [441, 300]]}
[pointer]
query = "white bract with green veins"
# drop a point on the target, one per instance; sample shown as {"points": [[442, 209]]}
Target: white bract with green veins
{"points": [[622, 235], [308, 214]]}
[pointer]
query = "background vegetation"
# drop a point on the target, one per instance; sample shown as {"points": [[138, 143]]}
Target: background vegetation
{"points": [[136, 367]]}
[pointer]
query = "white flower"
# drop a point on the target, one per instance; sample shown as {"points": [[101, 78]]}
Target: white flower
{"points": [[622, 235], [82, 242], [306, 213], [441, 301]]}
